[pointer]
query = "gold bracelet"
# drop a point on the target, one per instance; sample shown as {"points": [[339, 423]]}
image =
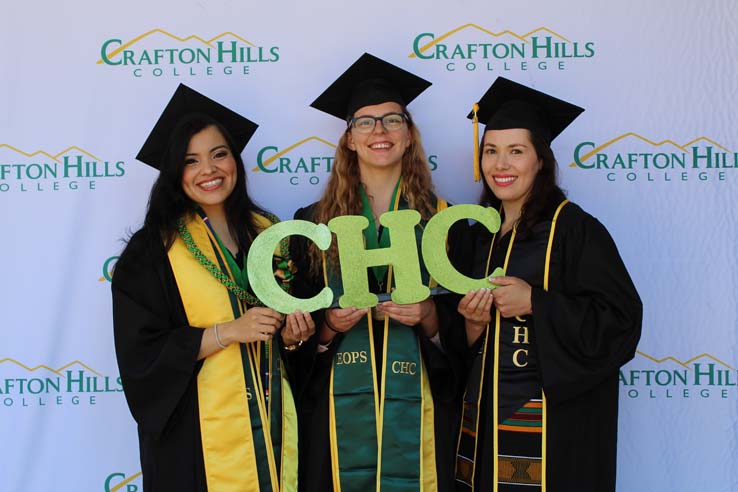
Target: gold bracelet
{"points": [[217, 338], [293, 347]]}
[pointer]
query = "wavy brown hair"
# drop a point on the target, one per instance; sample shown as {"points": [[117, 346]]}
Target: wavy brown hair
{"points": [[341, 195]]}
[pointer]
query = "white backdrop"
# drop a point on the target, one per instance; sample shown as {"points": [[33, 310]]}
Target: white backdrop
{"points": [[653, 157]]}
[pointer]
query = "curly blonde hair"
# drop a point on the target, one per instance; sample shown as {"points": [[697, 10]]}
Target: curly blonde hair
{"points": [[342, 196]]}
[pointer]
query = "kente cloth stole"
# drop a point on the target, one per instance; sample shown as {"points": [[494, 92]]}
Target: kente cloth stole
{"points": [[382, 436], [236, 403], [505, 467]]}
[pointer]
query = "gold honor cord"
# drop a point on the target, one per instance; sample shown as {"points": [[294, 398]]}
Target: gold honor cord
{"points": [[289, 462], [481, 385], [333, 439], [496, 394], [380, 419], [332, 409], [428, 477], [385, 339], [544, 414], [325, 268], [255, 359], [254, 351]]}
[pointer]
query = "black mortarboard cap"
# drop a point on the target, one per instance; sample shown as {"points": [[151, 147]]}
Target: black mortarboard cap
{"points": [[507, 104], [186, 101], [370, 80]]}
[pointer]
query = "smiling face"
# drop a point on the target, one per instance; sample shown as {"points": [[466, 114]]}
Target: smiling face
{"points": [[510, 164], [209, 174], [379, 148]]}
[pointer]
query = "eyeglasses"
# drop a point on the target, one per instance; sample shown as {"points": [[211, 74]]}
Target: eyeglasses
{"points": [[390, 122]]}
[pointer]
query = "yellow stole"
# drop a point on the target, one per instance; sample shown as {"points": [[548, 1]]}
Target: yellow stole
{"points": [[228, 445]]}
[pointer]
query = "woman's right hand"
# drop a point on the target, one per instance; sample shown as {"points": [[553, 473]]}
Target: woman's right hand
{"points": [[258, 324], [343, 319], [339, 320], [476, 308]]}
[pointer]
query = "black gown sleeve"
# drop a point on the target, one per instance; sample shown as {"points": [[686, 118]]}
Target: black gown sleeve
{"points": [[155, 347], [464, 246], [588, 323]]}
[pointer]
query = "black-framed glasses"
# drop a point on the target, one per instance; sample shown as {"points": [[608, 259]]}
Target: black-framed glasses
{"points": [[390, 122]]}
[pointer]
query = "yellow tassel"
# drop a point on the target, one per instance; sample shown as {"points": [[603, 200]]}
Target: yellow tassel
{"points": [[475, 122]]}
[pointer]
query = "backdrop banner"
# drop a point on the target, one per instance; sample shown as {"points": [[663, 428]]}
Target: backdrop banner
{"points": [[654, 157]]}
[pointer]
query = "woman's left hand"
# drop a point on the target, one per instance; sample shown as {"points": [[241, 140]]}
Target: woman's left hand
{"points": [[512, 297], [298, 327], [420, 313]]}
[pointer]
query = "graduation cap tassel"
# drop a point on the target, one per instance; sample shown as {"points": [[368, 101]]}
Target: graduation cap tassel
{"points": [[475, 122]]}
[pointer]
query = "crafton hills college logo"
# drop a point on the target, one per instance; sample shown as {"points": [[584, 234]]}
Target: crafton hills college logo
{"points": [[631, 157], [73, 168], [701, 377], [303, 162], [471, 48], [107, 269], [119, 482], [158, 53], [73, 384], [307, 161]]}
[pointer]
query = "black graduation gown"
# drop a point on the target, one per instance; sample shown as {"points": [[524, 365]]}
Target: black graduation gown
{"points": [[157, 359], [445, 374], [584, 328], [157, 352]]}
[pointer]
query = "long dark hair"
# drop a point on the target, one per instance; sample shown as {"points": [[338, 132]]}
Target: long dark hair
{"points": [[545, 194], [168, 202]]}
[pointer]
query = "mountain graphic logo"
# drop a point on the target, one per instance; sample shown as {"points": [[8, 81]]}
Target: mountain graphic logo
{"points": [[701, 376], [525, 38], [44, 369], [271, 160], [154, 33], [473, 42], [688, 363], [49, 155], [159, 48], [631, 140]]}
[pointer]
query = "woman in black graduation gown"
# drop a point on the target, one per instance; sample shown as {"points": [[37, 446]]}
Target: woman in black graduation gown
{"points": [[546, 345], [200, 372], [377, 400]]}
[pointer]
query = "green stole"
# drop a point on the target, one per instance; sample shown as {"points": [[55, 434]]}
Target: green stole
{"points": [[469, 432], [236, 404], [381, 435]]}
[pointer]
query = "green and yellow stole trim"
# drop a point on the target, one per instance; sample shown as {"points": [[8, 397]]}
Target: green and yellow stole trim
{"points": [[466, 468], [363, 456], [249, 432]]}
